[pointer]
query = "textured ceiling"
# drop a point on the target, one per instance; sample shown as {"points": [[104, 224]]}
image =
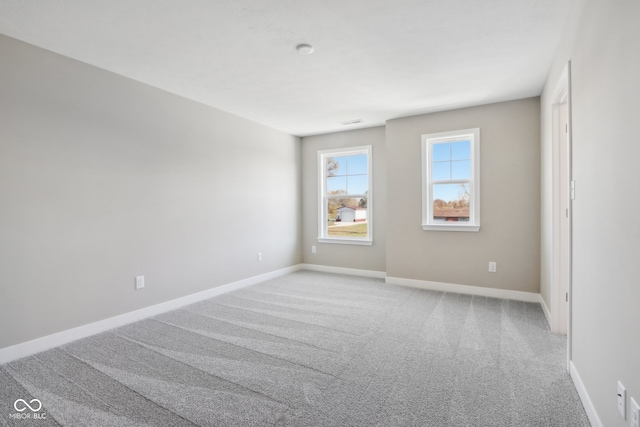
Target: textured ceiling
{"points": [[374, 59]]}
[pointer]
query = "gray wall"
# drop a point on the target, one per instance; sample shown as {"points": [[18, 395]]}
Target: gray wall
{"points": [[510, 202], [340, 255], [602, 41], [103, 178]]}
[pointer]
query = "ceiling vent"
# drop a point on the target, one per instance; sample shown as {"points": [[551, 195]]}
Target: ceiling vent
{"points": [[352, 122]]}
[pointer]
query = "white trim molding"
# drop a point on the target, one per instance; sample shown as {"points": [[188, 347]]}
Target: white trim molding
{"points": [[584, 397], [37, 345], [345, 241], [465, 289], [343, 270], [545, 309]]}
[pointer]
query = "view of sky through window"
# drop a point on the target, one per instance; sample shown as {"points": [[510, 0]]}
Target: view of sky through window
{"points": [[347, 175]]}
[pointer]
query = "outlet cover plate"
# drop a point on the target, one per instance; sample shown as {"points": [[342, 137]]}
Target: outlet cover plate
{"points": [[622, 400], [634, 413]]}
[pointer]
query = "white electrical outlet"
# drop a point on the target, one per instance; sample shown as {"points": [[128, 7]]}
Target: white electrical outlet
{"points": [[634, 413], [622, 400], [259, 256], [139, 282], [313, 249], [493, 266]]}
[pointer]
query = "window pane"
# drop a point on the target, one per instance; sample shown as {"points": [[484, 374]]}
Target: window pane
{"points": [[357, 164], [441, 152], [344, 205], [347, 219], [451, 202], [337, 185], [461, 169], [441, 171], [336, 166], [461, 150], [358, 184]]}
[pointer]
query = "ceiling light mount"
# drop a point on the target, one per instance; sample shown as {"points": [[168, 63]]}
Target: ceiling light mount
{"points": [[304, 49]]}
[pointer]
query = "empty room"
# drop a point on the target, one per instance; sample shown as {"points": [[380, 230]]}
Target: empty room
{"points": [[319, 213]]}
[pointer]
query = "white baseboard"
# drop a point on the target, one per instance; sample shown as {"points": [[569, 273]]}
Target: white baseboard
{"points": [[37, 345], [465, 289], [545, 309], [584, 397], [342, 270]]}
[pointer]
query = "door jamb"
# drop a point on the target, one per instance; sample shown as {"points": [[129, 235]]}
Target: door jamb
{"points": [[562, 94]]}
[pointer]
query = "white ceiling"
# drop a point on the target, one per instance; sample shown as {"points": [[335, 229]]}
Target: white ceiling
{"points": [[374, 59]]}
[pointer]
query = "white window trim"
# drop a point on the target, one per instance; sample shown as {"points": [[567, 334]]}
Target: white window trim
{"points": [[322, 199], [427, 197]]}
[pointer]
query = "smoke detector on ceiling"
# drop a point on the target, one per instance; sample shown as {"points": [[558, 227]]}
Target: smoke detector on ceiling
{"points": [[304, 49], [352, 122]]}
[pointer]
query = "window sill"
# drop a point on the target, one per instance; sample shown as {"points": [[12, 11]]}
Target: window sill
{"points": [[450, 227], [361, 242]]}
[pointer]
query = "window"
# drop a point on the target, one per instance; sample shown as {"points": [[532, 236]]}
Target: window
{"points": [[345, 196], [451, 181]]}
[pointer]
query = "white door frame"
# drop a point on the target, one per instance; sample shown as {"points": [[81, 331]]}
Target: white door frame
{"points": [[562, 194]]}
